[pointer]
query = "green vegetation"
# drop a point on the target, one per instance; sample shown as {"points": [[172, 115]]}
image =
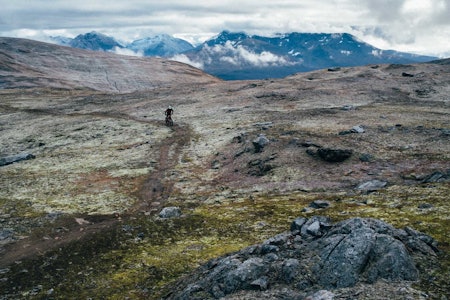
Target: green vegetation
{"points": [[140, 256]]}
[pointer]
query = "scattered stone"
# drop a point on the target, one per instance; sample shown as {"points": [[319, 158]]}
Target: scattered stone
{"points": [[445, 132], [307, 210], [334, 69], [215, 164], [372, 185], [437, 177], [425, 206], [260, 167], [298, 223], [358, 129], [260, 283], [170, 212], [355, 129], [52, 216], [345, 132], [15, 158], [424, 92], [264, 125], [290, 269], [82, 221], [366, 157], [404, 74], [239, 138], [311, 152], [334, 155], [308, 144], [321, 295], [319, 204], [312, 227], [6, 233], [260, 142], [348, 107]]}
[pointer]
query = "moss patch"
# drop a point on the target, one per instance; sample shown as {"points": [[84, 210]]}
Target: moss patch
{"points": [[139, 257]]}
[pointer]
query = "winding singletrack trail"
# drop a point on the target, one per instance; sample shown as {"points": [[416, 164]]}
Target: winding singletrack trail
{"points": [[151, 194]]}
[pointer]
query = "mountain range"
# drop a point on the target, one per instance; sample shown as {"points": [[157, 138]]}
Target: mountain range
{"points": [[237, 55]]}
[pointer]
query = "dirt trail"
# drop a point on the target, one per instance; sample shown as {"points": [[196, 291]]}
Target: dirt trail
{"points": [[152, 193], [156, 189]]}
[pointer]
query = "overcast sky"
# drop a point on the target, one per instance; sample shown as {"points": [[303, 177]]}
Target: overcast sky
{"points": [[418, 26]]}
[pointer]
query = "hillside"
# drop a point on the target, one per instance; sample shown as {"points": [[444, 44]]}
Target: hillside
{"points": [[27, 63], [92, 182]]}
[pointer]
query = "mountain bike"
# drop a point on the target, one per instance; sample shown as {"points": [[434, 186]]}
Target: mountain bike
{"points": [[169, 121]]}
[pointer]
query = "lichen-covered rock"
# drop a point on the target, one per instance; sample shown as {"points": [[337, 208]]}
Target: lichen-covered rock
{"points": [[170, 212], [315, 259], [372, 185]]}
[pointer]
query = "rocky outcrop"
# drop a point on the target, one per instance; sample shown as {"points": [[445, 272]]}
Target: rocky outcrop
{"points": [[260, 142], [15, 158], [315, 256], [334, 155]]}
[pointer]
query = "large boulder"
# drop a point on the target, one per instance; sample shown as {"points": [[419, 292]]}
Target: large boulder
{"points": [[316, 255]]}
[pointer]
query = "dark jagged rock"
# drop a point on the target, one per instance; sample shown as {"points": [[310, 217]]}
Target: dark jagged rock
{"points": [[15, 158], [355, 129], [260, 167], [334, 155], [437, 177], [365, 157], [319, 204], [260, 142], [315, 255]]}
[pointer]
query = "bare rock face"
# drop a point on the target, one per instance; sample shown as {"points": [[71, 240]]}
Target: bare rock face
{"points": [[315, 255]]}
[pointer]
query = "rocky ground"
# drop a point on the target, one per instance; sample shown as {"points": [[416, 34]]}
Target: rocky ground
{"points": [[84, 175]]}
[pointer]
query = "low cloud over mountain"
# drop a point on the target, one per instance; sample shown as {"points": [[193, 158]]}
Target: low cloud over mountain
{"points": [[234, 56]]}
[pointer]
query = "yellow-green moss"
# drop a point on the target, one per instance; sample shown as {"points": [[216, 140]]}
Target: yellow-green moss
{"points": [[140, 260]]}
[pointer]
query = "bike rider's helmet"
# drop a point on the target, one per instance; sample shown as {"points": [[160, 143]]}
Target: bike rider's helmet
{"points": [[170, 107]]}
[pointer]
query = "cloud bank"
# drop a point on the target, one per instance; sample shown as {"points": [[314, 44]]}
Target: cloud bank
{"points": [[420, 26]]}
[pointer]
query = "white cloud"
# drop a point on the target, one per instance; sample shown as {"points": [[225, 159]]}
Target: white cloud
{"points": [[239, 55], [421, 26], [184, 59], [129, 52]]}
